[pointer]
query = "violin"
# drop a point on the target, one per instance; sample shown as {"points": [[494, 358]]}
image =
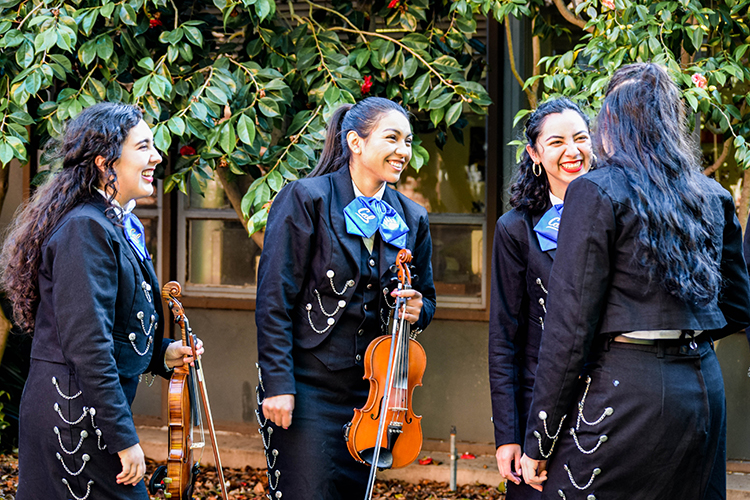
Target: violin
{"points": [[385, 433], [187, 390]]}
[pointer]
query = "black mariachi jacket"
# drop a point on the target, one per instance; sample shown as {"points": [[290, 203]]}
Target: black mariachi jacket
{"points": [[100, 313], [308, 256], [520, 273], [597, 287]]}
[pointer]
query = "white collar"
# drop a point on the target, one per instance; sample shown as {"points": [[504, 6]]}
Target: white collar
{"points": [[377, 196], [129, 206], [554, 199]]}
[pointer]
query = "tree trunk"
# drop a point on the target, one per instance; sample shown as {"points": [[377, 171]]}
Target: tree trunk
{"points": [[235, 199]]}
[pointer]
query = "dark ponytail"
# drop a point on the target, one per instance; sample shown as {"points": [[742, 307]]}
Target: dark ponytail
{"points": [[361, 118], [530, 192]]}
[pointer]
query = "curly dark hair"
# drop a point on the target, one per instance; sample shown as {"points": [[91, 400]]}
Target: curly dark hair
{"points": [[361, 118], [529, 192], [642, 130], [99, 130]]}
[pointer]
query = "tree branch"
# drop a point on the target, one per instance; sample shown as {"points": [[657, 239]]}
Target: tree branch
{"points": [[722, 157], [744, 195], [530, 93], [570, 17]]}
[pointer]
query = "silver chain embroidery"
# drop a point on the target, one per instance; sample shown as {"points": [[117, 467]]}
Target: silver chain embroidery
{"points": [[84, 435], [541, 303], [132, 338], [88, 490], [146, 291], [260, 377], [266, 445], [64, 396], [348, 284], [331, 321], [152, 323], [71, 422], [541, 451], [85, 459], [602, 439], [594, 473], [607, 411], [277, 474], [99, 440], [539, 282], [257, 416], [275, 454], [543, 416], [562, 494], [341, 304], [278, 493]]}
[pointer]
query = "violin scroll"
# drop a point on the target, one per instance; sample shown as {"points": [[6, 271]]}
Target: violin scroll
{"points": [[402, 262]]}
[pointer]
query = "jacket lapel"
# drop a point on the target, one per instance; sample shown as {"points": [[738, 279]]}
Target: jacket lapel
{"points": [[342, 193]]}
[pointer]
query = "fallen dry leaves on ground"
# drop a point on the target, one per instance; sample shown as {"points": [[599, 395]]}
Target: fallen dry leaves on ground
{"points": [[250, 484]]}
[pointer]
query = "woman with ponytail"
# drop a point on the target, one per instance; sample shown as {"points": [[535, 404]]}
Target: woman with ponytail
{"points": [[325, 292], [81, 281], [558, 150], [629, 399]]}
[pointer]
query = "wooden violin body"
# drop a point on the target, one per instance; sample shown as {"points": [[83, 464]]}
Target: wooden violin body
{"points": [[385, 433], [402, 440]]}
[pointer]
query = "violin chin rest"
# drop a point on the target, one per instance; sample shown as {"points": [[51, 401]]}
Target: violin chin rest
{"points": [[385, 460]]}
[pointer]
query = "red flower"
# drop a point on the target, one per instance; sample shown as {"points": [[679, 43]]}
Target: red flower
{"points": [[425, 461], [187, 150], [468, 456], [367, 85], [610, 4], [154, 23], [393, 4], [700, 81]]}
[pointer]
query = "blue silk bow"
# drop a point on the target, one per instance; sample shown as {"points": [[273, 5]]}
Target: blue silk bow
{"points": [[366, 215], [547, 227], [135, 235]]}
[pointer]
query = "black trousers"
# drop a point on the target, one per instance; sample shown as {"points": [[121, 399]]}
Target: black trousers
{"points": [[649, 423], [309, 460]]}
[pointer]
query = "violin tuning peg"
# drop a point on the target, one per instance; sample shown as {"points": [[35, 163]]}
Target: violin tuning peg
{"points": [[414, 277], [393, 268], [394, 278]]}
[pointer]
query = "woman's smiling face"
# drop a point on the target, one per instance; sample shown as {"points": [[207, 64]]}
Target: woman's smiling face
{"points": [[135, 167], [563, 148], [383, 155]]}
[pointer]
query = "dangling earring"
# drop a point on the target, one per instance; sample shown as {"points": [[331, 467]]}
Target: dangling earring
{"points": [[537, 169], [593, 159]]}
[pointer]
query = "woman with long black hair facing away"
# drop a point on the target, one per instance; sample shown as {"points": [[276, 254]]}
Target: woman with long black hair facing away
{"points": [[80, 278], [629, 399], [558, 150], [324, 293]]}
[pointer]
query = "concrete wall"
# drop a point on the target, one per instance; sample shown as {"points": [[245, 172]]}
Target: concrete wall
{"points": [[455, 390]]}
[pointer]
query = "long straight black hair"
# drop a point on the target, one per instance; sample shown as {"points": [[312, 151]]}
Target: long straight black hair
{"points": [[361, 118], [642, 130], [530, 192]]}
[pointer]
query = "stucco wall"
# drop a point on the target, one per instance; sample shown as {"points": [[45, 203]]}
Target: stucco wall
{"points": [[455, 390]]}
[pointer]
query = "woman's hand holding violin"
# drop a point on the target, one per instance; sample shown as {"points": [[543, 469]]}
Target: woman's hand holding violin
{"points": [[178, 354], [413, 303]]}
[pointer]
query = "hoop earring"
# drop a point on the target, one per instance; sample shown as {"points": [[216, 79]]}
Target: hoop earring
{"points": [[534, 169], [593, 158]]}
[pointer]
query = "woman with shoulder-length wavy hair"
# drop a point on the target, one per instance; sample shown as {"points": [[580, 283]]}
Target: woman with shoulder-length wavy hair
{"points": [[81, 281], [629, 398], [558, 150]]}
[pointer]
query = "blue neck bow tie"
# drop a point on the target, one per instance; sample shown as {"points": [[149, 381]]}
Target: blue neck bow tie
{"points": [[547, 227], [135, 235], [366, 215]]}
